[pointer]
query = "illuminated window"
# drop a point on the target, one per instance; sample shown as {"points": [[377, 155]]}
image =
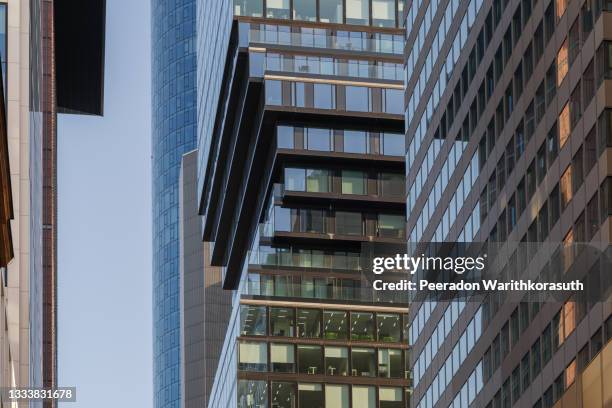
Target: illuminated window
{"points": [[560, 7], [564, 125], [562, 63], [565, 187], [570, 374]]}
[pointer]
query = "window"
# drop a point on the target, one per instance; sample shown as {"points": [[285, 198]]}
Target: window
{"points": [[349, 223], [570, 374], [536, 359], [253, 320], [357, 98], [391, 226], [309, 323], [305, 10], [282, 322], [283, 395], [336, 361], [389, 327], [565, 187], [560, 7], [393, 144], [294, 179], [577, 170], [330, 11], [357, 12], [252, 393], [318, 139], [575, 106], [562, 63], [391, 185], [309, 359], [252, 356], [383, 13], [353, 182], [284, 137], [604, 61], [564, 125], [363, 362], [251, 8], [574, 41], [355, 142], [277, 9], [335, 325], [317, 181], [273, 93], [362, 326], [390, 397], [364, 396], [282, 358], [336, 396], [390, 363], [324, 96], [309, 395]]}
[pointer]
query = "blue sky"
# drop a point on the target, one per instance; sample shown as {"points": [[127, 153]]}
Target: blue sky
{"points": [[104, 228]]}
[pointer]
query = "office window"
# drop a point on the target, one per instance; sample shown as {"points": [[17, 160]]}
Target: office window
{"points": [[355, 141], [310, 359], [252, 356], [310, 395], [357, 12], [305, 10], [282, 358], [560, 7], [283, 395], [536, 359], [363, 362], [383, 13], [277, 9], [335, 325], [562, 62], [588, 81], [389, 327], [252, 394], [390, 363], [596, 343], [546, 344], [309, 323], [253, 320], [364, 396], [575, 106], [251, 8], [577, 170], [353, 182], [604, 61], [390, 397], [336, 396], [574, 41], [336, 361], [282, 322], [330, 11], [362, 326]]}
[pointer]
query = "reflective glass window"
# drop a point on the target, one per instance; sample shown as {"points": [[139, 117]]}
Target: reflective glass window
{"points": [[251, 8], [383, 13], [277, 9], [330, 11], [357, 12], [305, 10]]}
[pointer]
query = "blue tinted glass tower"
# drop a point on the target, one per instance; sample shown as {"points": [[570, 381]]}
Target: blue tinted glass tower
{"points": [[173, 133]]}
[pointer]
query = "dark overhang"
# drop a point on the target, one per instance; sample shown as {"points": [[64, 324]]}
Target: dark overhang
{"points": [[6, 200], [79, 55]]}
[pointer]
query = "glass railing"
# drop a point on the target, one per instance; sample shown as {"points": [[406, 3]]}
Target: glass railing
{"points": [[316, 40], [272, 258], [382, 71]]}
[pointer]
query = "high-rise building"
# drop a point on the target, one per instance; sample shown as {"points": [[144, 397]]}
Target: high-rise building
{"points": [[204, 304], [62, 72], [173, 42], [508, 137], [300, 168]]}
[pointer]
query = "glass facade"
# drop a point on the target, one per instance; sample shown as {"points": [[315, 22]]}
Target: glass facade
{"points": [[173, 134]]}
